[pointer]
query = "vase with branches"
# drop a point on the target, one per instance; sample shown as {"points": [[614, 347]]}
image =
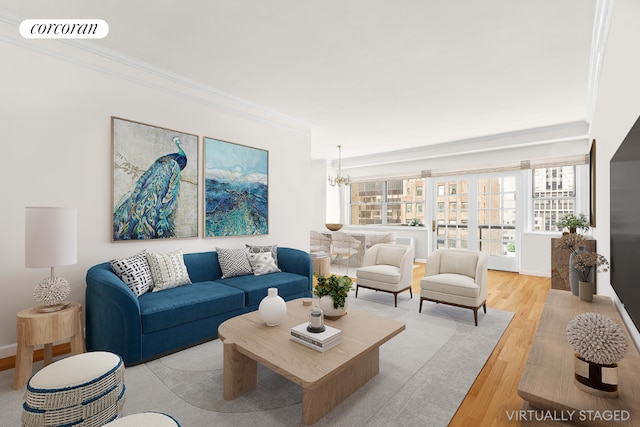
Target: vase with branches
{"points": [[585, 265], [570, 242]]}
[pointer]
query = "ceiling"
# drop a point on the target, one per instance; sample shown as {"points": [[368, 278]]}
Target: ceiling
{"points": [[370, 75]]}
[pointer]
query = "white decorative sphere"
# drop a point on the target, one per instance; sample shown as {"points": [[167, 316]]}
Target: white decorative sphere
{"points": [[597, 338], [272, 308], [52, 291]]}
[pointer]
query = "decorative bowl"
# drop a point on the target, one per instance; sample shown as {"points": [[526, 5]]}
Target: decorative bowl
{"points": [[334, 227]]}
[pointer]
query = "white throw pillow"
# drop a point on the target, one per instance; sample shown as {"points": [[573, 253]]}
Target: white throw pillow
{"points": [[168, 270], [233, 262], [134, 272], [262, 263]]}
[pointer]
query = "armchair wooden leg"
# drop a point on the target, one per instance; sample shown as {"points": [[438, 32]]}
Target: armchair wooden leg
{"points": [[475, 315], [357, 287], [420, 308]]}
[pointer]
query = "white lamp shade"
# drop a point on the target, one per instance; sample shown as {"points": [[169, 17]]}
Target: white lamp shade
{"points": [[51, 236]]}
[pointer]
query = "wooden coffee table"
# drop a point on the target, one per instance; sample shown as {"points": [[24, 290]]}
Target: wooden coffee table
{"points": [[326, 378]]}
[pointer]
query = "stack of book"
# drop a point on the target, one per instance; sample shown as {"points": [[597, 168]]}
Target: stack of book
{"points": [[321, 341]]}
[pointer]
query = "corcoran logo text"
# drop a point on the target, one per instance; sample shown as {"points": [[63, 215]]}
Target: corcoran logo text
{"points": [[64, 29]]}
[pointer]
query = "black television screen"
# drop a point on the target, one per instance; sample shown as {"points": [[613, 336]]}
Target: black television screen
{"points": [[625, 222]]}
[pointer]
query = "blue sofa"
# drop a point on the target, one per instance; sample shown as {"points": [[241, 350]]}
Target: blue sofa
{"points": [[156, 323]]}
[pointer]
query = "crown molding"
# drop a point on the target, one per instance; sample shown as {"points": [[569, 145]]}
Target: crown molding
{"points": [[562, 133], [601, 25], [91, 55]]}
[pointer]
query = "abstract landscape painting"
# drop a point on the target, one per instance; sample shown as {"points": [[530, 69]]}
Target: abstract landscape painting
{"points": [[236, 189], [155, 182]]}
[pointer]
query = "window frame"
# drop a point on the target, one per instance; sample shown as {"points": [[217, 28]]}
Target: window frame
{"points": [[580, 197], [386, 203]]}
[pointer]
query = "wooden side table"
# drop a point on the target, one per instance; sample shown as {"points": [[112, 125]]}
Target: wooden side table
{"points": [[321, 265], [36, 328]]}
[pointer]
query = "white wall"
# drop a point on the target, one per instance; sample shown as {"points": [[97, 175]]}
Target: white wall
{"points": [[55, 108], [617, 108]]}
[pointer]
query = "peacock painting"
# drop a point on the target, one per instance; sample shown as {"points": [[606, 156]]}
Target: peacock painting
{"points": [[152, 205]]}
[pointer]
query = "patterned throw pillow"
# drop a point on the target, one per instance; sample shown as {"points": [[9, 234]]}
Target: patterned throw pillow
{"points": [[262, 263], [258, 249], [134, 272], [233, 262], [168, 270]]}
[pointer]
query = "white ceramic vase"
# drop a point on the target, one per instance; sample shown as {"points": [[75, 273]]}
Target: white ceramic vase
{"points": [[326, 304], [272, 308]]}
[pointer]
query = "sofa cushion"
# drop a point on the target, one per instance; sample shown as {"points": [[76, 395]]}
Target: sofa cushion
{"points": [[134, 272], [162, 310], [168, 270], [233, 262], [390, 255], [255, 287], [380, 273], [453, 284], [459, 263], [203, 266]]}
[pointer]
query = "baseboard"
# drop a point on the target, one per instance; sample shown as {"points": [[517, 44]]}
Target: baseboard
{"points": [[38, 355], [535, 273]]}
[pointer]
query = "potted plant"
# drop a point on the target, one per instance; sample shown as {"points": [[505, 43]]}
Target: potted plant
{"points": [[332, 291], [573, 223]]}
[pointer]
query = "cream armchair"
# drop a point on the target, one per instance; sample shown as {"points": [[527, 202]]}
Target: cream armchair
{"points": [[387, 268], [456, 277]]}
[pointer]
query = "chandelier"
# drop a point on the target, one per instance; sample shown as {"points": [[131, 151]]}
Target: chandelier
{"points": [[339, 180]]}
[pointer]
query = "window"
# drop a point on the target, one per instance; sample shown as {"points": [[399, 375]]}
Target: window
{"points": [[554, 196], [387, 202]]}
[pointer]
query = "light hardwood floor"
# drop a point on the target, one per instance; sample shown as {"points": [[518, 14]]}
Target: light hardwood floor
{"points": [[495, 391]]}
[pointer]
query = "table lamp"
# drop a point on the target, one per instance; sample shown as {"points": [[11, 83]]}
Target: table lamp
{"points": [[51, 236]]}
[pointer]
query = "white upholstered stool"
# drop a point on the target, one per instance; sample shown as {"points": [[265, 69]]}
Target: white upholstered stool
{"points": [[82, 390], [145, 419]]}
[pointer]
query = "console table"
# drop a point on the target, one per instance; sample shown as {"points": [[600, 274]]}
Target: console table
{"points": [[547, 384]]}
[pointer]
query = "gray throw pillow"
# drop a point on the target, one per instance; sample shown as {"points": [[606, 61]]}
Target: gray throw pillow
{"points": [[233, 262]]}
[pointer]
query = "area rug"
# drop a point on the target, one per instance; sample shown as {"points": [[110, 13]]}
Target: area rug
{"points": [[425, 373]]}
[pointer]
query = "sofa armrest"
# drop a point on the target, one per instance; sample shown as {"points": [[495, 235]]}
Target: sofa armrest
{"points": [[296, 261], [113, 320]]}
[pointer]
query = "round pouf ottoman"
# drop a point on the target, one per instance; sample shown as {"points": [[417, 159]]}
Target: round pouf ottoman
{"points": [[145, 419], [82, 390]]}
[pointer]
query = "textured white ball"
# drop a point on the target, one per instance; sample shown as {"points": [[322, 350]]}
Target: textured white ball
{"points": [[52, 291], [597, 338]]}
